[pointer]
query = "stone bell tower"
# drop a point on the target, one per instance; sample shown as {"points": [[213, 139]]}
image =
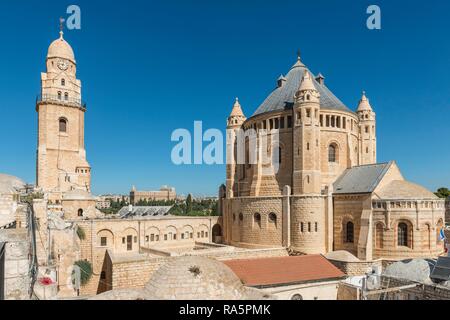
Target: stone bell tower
{"points": [[367, 132], [61, 154], [234, 123]]}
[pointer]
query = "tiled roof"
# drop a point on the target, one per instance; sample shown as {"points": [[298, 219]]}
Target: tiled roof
{"points": [[361, 179], [283, 97], [284, 270]]}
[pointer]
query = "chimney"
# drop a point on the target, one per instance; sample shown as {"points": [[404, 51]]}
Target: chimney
{"points": [[320, 79], [281, 80]]}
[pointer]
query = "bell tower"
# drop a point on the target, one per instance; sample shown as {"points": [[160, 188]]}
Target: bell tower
{"points": [[367, 132], [61, 155]]}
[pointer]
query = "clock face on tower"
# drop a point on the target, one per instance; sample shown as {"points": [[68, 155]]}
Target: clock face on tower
{"points": [[62, 64]]}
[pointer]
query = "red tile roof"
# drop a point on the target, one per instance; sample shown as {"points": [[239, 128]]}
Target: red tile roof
{"points": [[284, 270]]}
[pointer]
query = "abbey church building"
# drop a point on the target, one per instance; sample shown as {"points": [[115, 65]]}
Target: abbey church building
{"points": [[329, 192]]}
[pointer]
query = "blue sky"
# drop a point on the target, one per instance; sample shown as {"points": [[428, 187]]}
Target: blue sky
{"points": [[149, 67]]}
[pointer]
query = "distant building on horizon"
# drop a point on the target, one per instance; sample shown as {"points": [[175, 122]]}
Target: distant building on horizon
{"points": [[165, 193]]}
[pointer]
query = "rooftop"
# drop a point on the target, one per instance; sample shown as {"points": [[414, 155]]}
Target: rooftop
{"points": [[268, 272], [144, 211], [361, 179], [283, 96]]}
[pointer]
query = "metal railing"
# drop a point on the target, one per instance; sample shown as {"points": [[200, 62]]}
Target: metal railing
{"points": [[60, 99]]}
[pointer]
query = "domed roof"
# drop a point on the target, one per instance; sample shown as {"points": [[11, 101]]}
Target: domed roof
{"points": [[190, 278], [283, 97], [60, 48], [364, 104], [341, 255], [402, 189], [10, 184]]}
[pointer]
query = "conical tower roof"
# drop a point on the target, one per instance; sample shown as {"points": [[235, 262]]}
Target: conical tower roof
{"points": [[364, 104]]}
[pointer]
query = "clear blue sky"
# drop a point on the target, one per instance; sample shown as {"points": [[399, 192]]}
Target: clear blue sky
{"points": [[149, 67]]}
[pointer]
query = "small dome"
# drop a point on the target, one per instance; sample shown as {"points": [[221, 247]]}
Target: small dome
{"points": [[364, 104], [341, 255], [197, 278], [402, 189], [60, 48], [190, 278], [10, 184]]}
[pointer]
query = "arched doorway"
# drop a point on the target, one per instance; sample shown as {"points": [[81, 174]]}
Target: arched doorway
{"points": [[217, 233]]}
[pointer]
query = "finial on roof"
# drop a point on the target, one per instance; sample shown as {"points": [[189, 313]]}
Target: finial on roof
{"points": [[299, 62], [61, 27]]}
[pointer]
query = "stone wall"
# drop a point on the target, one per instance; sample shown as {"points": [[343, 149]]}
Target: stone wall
{"points": [[348, 292], [420, 292], [16, 264], [357, 268]]}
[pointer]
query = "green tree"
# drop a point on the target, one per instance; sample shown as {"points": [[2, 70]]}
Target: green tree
{"points": [[443, 193], [188, 204]]}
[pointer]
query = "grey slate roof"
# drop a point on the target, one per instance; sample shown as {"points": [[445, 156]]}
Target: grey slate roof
{"points": [[136, 211], [283, 97], [361, 179]]}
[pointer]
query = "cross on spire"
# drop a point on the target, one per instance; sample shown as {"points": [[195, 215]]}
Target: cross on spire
{"points": [[61, 26], [298, 54]]}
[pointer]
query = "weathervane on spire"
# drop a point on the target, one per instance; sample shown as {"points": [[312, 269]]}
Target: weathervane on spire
{"points": [[61, 26]]}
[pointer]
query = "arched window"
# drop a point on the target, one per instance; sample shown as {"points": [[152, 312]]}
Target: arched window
{"points": [[241, 217], [62, 125], [402, 234], [273, 218], [257, 219], [66, 96], [379, 236], [59, 95], [63, 82], [80, 212], [297, 297], [349, 232], [279, 155], [332, 153]]}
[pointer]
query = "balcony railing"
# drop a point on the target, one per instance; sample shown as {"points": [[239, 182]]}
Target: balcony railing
{"points": [[60, 100]]}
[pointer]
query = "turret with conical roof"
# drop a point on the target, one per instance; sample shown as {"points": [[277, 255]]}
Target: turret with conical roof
{"points": [[306, 178], [237, 117], [367, 132]]}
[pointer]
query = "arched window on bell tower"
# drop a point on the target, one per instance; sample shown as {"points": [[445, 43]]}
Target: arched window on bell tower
{"points": [[62, 125]]}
